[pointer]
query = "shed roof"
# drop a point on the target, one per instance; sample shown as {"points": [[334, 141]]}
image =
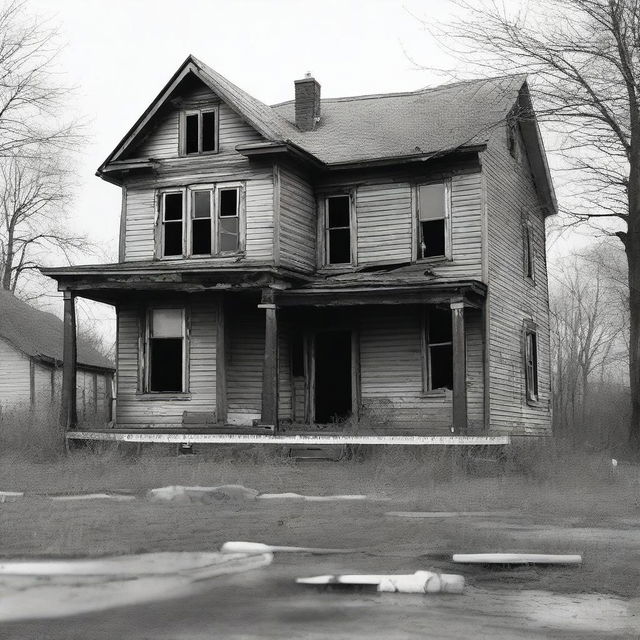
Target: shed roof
{"points": [[39, 334]]}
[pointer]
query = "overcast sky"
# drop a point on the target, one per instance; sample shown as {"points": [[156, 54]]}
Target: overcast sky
{"points": [[119, 55]]}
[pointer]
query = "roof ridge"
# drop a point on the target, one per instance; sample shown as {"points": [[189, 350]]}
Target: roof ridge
{"points": [[397, 94]]}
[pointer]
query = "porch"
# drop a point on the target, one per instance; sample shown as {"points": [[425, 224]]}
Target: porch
{"points": [[266, 358]]}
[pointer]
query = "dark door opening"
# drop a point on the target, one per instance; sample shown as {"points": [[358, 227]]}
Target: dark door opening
{"points": [[332, 376]]}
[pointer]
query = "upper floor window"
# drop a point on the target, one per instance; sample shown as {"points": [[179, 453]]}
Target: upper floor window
{"points": [[337, 230], [531, 362], [200, 131], [200, 221], [433, 220]]}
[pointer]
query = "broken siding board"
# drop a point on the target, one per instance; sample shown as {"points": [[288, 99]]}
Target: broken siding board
{"points": [[512, 297], [297, 221]]}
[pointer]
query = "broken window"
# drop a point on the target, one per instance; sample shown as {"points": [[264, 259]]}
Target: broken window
{"points": [[229, 220], [433, 214], [338, 230], [531, 363], [439, 352], [172, 227], [200, 132], [166, 350], [529, 256], [201, 208]]}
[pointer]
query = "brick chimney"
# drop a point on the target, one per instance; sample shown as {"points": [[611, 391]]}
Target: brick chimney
{"points": [[307, 103]]}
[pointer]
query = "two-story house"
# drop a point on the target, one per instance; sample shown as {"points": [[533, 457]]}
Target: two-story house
{"points": [[379, 258]]}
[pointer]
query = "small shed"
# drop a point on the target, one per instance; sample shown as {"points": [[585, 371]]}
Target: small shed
{"points": [[31, 358]]}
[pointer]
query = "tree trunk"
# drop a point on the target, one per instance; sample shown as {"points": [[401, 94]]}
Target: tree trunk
{"points": [[632, 247]]}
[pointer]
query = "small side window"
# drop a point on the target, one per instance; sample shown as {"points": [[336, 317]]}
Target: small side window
{"points": [[338, 230], [528, 251], [531, 363]]}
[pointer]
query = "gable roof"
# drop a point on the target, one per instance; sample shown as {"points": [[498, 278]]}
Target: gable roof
{"points": [[367, 129], [39, 334]]}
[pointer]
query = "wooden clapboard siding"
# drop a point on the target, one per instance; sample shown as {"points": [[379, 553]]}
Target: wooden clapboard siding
{"points": [[384, 215], [391, 374], [245, 358], [14, 375], [475, 369], [136, 410], [140, 224], [385, 222], [140, 219], [512, 297], [163, 141], [297, 221], [284, 372]]}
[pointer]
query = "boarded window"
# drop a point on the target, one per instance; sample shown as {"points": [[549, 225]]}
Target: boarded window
{"points": [[200, 132], [201, 219], [531, 363], [432, 220], [229, 220], [172, 224], [166, 350], [338, 230], [439, 352]]}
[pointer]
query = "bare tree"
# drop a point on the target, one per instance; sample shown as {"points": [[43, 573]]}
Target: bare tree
{"points": [[585, 59], [35, 148]]}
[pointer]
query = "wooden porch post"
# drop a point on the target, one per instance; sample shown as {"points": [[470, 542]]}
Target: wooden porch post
{"points": [[221, 364], [68, 413], [270, 368], [459, 421]]}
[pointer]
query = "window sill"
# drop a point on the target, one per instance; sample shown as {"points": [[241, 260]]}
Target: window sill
{"points": [[436, 393], [533, 402], [160, 396], [217, 256], [337, 268], [434, 260], [198, 154]]}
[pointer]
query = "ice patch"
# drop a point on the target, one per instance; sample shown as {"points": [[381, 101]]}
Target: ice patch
{"points": [[93, 496], [10, 496], [181, 493], [297, 496]]}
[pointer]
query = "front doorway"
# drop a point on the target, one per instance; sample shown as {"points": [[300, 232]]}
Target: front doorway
{"points": [[333, 397]]}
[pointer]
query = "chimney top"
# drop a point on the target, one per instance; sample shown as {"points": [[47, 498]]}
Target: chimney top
{"points": [[307, 102]]}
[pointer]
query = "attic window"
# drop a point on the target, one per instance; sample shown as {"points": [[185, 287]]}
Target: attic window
{"points": [[200, 132], [433, 220]]}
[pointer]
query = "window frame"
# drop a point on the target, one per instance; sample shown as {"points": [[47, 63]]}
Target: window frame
{"points": [[146, 356], [528, 252], [426, 346], [183, 131], [531, 364], [187, 220], [417, 240], [323, 231]]}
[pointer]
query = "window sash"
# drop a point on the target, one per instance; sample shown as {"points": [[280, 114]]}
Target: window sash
{"points": [[200, 131], [328, 230], [152, 340], [427, 213], [529, 256], [531, 364], [171, 222], [428, 346]]}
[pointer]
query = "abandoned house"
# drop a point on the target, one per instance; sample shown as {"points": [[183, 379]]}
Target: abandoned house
{"points": [[376, 261], [31, 360]]}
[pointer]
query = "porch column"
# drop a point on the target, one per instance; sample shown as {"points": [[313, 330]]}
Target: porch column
{"points": [[459, 421], [270, 368], [68, 413]]}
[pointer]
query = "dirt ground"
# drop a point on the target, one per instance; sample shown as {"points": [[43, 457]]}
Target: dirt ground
{"points": [[599, 599]]}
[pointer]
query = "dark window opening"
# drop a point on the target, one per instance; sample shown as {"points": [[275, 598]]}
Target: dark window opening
{"points": [[439, 349], [297, 356], [531, 364], [528, 253], [338, 237], [209, 131], [201, 237], [333, 400], [166, 364], [173, 238], [433, 243], [173, 206], [191, 136], [229, 222], [166, 350]]}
